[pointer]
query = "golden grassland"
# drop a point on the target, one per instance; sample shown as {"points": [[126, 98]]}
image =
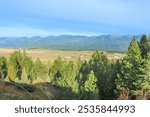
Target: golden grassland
{"points": [[50, 55]]}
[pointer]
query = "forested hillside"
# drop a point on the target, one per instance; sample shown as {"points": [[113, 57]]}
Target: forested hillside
{"points": [[98, 78], [70, 42]]}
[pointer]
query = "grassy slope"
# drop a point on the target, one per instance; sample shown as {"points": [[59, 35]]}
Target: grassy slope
{"points": [[10, 91]]}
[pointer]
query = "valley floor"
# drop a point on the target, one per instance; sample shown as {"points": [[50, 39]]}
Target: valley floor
{"points": [[46, 55]]}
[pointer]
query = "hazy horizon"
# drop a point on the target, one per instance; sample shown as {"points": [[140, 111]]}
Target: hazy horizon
{"points": [[84, 35], [68, 17]]}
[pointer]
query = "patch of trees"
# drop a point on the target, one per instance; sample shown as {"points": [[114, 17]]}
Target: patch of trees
{"points": [[98, 78]]}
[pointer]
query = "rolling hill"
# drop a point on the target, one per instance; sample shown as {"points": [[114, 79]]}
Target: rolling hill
{"points": [[44, 91], [70, 42]]}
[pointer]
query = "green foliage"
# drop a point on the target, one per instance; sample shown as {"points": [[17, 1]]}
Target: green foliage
{"points": [[98, 78], [3, 67], [15, 60], [27, 63], [90, 88], [103, 70], [25, 77], [20, 60], [40, 71], [57, 71], [133, 53], [11, 73], [91, 83], [101, 66], [144, 46], [70, 70], [82, 75], [64, 73], [143, 83], [128, 73]]}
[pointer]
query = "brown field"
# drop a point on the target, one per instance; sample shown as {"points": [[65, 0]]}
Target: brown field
{"points": [[50, 55]]}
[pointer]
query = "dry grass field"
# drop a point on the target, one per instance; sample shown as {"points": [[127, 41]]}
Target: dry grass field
{"points": [[50, 55]]}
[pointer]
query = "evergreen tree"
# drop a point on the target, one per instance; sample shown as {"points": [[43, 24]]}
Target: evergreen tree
{"points": [[3, 67], [133, 54], [112, 76], [143, 83], [27, 63], [39, 70], [89, 89], [24, 77], [128, 73], [71, 71], [144, 46], [11, 73], [98, 78], [57, 72], [101, 66], [82, 75], [15, 60]]}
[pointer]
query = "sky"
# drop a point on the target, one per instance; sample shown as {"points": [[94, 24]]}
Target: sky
{"points": [[75, 17]]}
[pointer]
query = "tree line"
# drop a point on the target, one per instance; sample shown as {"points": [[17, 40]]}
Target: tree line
{"points": [[98, 78]]}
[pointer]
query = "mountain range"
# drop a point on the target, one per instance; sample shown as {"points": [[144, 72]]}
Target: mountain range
{"points": [[70, 42]]}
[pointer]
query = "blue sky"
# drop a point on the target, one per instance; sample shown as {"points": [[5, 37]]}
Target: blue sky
{"points": [[84, 17]]}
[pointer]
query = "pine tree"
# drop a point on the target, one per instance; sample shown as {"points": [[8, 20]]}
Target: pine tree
{"points": [[15, 60], [11, 73], [144, 46], [3, 67], [112, 77], [57, 72], [128, 73], [101, 66], [82, 75], [133, 54], [71, 70], [143, 83], [90, 89], [27, 63], [24, 77], [39, 70]]}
